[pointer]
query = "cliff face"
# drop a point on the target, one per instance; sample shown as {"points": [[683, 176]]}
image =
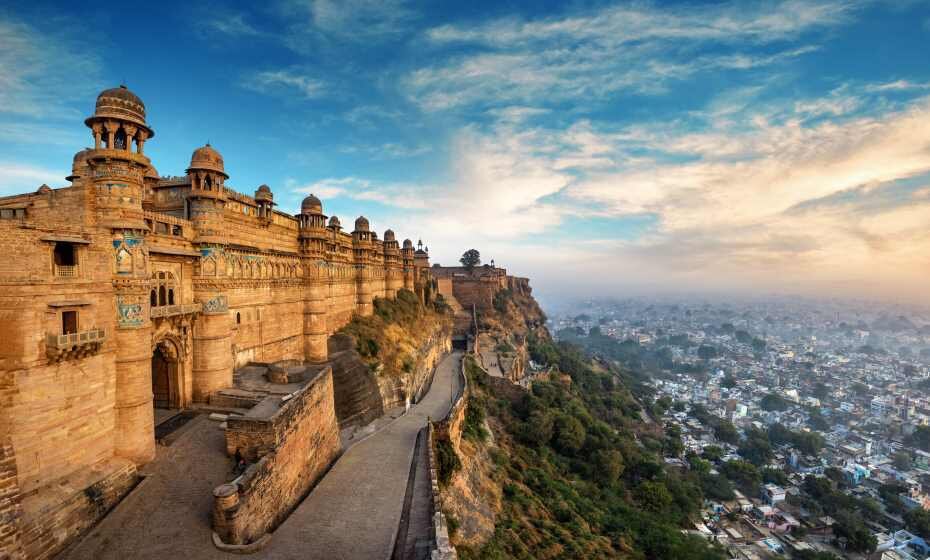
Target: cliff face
{"points": [[384, 360]]}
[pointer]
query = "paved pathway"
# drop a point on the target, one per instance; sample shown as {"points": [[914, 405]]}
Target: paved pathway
{"points": [[493, 365], [355, 510], [168, 515]]}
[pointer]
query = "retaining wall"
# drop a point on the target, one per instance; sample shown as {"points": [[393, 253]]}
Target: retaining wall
{"points": [[296, 446]]}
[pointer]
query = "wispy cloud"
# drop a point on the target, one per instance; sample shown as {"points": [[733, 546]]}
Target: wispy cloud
{"points": [[42, 73], [636, 48], [19, 177], [354, 21], [233, 24], [398, 195], [388, 150], [285, 82]]}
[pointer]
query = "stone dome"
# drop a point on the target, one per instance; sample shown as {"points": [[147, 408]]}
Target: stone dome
{"points": [[389, 235], [408, 244], [206, 157], [361, 223], [44, 189], [79, 164], [121, 103], [334, 222], [264, 193], [311, 205]]}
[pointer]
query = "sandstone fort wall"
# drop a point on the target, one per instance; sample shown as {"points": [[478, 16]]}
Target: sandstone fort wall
{"points": [[296, 445]]}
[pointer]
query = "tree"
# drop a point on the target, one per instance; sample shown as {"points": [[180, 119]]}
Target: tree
{"points": [[707, 352], [470, 259], [773, 401], [726, 432], [743, 474], [609, 465], [756, 447], [918, 522], [728, 382], [712, 453], [569, 434]]}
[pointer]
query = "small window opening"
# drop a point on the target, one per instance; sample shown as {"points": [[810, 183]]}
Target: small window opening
{"points": [[161, 295], [153, 299], [119, 139], [170, 297], [65, 254], [238, 318]]}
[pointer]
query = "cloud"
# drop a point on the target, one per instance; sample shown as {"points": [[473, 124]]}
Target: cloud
{"points": [[640, 49], [397, 195], [898, 85], [17, 178], [285, 82], [347, 20], [388, 150], [232, 24], [43, 72]]}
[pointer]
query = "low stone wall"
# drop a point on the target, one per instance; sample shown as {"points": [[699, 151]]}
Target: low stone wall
{"points": [[294, 446], [11, 508], [75, 505], [450, 428]]}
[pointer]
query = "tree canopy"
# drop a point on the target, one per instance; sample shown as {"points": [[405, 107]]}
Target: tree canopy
{"points": [[470, 259]]}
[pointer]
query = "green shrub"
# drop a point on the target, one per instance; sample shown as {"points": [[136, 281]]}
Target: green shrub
{"points": [[447, 461]]}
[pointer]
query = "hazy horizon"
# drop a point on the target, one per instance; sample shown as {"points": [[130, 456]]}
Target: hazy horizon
{"points": [[598, 148]]}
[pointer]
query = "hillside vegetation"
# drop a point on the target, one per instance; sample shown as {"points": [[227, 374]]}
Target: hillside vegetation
{"points": [[578, 472], [387, 339]]}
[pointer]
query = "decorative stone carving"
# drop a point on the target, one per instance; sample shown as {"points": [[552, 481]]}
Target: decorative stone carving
{"points": [[129, 311], [216, 305]]}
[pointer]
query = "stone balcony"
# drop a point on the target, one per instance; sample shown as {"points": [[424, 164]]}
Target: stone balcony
{"points": [[66, 271], [75, 345], [172, 310]]}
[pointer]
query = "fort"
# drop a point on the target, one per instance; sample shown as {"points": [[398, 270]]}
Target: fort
{"points": [[128, 296]]}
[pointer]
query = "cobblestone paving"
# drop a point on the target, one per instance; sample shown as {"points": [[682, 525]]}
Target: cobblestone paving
{"points": [[168, 515], [355, 510]]}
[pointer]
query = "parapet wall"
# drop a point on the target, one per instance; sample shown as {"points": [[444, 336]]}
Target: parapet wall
{"points": [[299, 442]]}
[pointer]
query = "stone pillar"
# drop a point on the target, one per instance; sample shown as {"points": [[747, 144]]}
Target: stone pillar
{"points": [[363, 301], [135, 422], [315, 332], [213, 359]]}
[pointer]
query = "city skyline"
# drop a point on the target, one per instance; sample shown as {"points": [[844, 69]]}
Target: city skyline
{"points": [[599, 148]]}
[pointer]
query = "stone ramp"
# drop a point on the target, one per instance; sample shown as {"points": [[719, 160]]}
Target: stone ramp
{"points": [[168, 514], [355, 511]]}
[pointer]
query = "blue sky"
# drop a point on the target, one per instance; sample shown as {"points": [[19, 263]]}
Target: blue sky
{"points": [[598, 147]]}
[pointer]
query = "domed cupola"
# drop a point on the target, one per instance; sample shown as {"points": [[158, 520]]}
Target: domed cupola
{"points": [[361, 224], [207, 173], [79, 167], [119, 120], [311, 205], [206, 158], [389, 235], [335, 224]]}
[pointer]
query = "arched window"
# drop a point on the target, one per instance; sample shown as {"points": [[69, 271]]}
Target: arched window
{"points": [[208, 183], [238, 318], [170, 297], [153, 299], [119, 139], [161, 295]]}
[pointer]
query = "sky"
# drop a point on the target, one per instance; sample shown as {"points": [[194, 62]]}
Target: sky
{"points": [[600, 148]]}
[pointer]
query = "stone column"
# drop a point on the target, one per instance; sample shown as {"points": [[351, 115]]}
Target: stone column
{"points": [[315, 332], [135, 422], [363, 301], [213, 359]]}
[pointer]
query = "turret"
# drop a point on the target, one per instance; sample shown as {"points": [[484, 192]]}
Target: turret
{"points": [[312, 225], [207, 199], [265, 200]]}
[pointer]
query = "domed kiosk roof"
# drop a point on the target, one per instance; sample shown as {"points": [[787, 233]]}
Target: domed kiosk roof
{"points": [[207, 158], [120, 103], [361, 224], [311, 205]]}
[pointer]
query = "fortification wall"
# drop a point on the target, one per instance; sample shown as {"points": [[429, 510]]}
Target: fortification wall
{"points": [[298, 444], [74, 505]]}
